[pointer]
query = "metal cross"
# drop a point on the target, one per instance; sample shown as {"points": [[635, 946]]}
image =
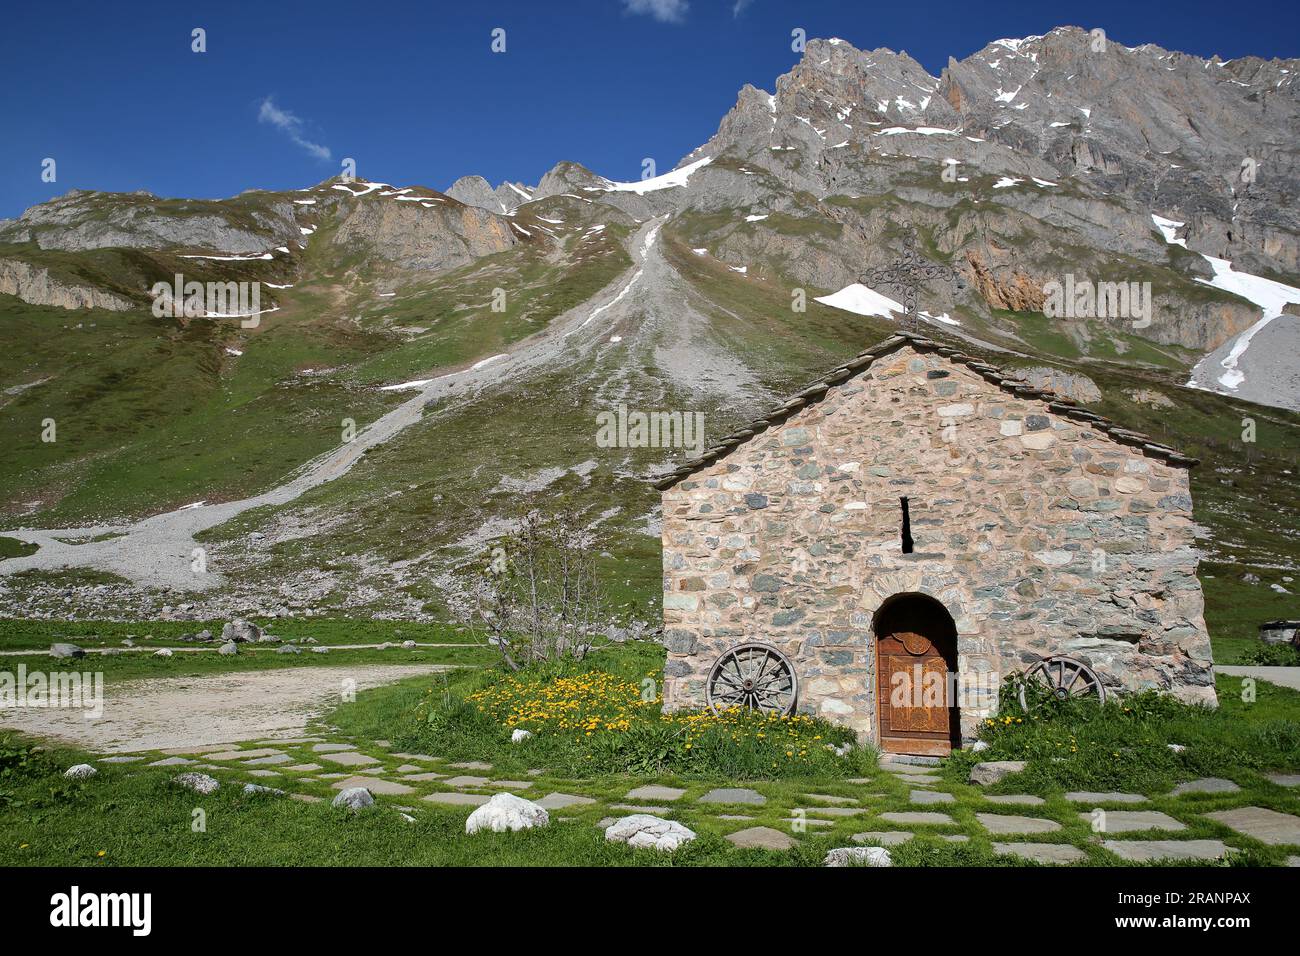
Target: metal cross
{"points": [[906, 273]]}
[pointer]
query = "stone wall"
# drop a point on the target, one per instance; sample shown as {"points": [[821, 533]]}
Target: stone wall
{"points": [[1039, 534]]}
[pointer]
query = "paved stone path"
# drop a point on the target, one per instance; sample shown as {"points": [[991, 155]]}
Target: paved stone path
{"points": [[887, 809]]}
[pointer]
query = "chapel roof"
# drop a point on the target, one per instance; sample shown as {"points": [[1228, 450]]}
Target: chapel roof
{"points": [[818, 390]]}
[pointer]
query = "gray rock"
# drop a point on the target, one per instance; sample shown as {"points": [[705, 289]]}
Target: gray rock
{"points": [[983, 774], [163, 652], [353, 798], [66, 650], [80, 771], [241, 631], [229, 649], [288, 649], [200, 783]]}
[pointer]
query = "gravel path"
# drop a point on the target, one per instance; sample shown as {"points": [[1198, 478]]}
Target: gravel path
{"points": [[1282, 676], [176, 712]]}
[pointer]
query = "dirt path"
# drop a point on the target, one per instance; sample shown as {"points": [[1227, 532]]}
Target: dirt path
{"points": [[195, 711]]}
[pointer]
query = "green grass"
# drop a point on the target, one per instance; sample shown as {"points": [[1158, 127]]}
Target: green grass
{"points": [[133, 815]]}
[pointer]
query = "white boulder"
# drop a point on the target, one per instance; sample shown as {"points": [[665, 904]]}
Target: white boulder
{"points": [[858, 856], [80, 771], [644, 830], [504, 812], [200, 783], [520, 735]]}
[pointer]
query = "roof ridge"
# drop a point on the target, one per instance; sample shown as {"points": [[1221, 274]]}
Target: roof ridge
{"points": [[820, 387]]}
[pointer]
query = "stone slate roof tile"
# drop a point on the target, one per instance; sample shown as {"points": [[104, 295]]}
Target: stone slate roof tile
{"points": [[817, 390]]}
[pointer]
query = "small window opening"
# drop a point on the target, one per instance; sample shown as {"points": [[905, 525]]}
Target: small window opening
{"points": [[907, 527]]}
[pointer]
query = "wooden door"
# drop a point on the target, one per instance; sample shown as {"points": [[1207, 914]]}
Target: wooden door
{"points": [[915, 706]]}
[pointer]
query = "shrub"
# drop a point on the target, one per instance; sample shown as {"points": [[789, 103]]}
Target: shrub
{"points": [[1272, 655]]}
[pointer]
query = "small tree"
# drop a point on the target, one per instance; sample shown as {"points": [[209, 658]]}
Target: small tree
{"points": [[537, 593]]}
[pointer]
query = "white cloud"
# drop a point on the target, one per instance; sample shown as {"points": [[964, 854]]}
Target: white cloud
{"points": [[665, 11], [291, 125], [740, 6]]}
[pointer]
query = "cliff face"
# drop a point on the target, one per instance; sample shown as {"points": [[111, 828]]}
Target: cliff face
{"points": [[35, 286]]}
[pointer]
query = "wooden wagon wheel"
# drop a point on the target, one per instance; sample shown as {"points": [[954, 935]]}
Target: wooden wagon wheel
{"points": [[1063, 678], [752, 677]]}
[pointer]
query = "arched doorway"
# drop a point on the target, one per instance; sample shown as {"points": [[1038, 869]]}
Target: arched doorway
{"points": [[916, 652]]}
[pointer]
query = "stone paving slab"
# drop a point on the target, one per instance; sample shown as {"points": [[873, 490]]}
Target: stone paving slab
{"points": [[511, 784], [171, 762], [1285, 779], [423, 777], [655, 792], [1000, 823], [350, 758], [374, 785], [733, 795], [409, 768], [883, 837], [930, 796], [303, 767], [634, 808], [763, 838], [425, 757], [120, 759], [263, 773], [835, 811], [1206, 785], [919, 778], [192, 751], [1266, 826], [1147, 851], [1089, 796], [915, 816], [954, 837], [1126, 821], [828, 798], [471, 765], [1023, 799], [809, 822], [332, 748], [908, 768], [1041, 852], [269, 759], [459, 799], [467, 780], [1293, 861], [242, 754], [557, 801], [733, 816]]}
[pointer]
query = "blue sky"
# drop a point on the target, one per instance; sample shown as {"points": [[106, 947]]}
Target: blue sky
{"points": [[414, 93]]}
